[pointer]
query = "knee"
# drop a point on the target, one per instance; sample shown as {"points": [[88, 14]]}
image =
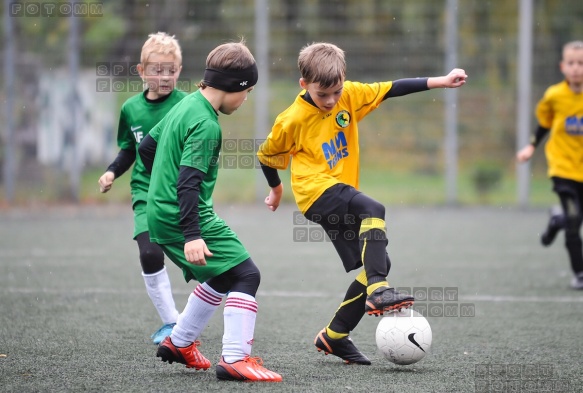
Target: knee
{"points": [[253, 277], [247, 280], [377, 210], [152, 259], [373, 209], [366, 207]]}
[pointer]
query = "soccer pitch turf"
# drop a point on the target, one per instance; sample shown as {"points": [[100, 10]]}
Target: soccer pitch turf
{"points": [[74, 314]]}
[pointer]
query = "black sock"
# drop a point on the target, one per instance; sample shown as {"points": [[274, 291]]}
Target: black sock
{"points": [[351, 310]]}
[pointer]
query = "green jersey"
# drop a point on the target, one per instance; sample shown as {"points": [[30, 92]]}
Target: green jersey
{"points": [[189, 135], [137, 118]]}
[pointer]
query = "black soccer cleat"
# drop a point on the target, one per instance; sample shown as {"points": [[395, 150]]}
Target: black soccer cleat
{"points": [[344, 348], [385, 300], [577, 281], [556, 223]]}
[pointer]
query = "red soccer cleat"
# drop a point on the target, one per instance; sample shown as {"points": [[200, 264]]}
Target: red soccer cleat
{"points": [[189, 356], [249, 369]]}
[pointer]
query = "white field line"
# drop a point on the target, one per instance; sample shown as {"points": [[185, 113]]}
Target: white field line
{"points": [[522, 299], [291, 294]]}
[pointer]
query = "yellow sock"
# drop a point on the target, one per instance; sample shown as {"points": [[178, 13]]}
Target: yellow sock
{"points": [[361, 278], [333, 335], [372, 223], [373, 287]]}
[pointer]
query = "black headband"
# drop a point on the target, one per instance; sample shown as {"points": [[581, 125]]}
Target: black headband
{"points": [[231, 81]]}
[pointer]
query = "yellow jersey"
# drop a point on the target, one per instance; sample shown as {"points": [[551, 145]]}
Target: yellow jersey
{"points": [[561, 110], [322, 147]]}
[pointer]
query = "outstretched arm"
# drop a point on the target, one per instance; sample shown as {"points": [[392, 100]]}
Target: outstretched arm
{"points": [[401, 87], [456, 78]]}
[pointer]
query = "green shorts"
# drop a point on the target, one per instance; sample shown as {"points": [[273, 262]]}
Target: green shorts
{"points": [[140, 219], [227, 249]]}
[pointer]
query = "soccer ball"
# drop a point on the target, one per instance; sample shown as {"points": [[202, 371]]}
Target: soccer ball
{"points": [[404, 337]]}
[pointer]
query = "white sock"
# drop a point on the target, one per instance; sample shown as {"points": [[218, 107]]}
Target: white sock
{"points": [[202, 304], [160, 292], [240, 313]]}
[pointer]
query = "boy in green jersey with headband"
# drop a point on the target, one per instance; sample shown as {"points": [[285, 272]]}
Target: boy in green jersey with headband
{"points": [[181, 218]]}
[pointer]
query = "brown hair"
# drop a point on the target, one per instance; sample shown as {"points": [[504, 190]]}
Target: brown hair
{"points": [[229, 56], [322, 63]]}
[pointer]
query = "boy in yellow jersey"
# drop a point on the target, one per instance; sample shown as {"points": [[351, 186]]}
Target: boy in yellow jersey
{"points": [[560, 111], [319, 133]]}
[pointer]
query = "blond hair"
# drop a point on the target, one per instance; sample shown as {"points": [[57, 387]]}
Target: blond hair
{"points": [[573, 45], [322, 63], [161, 43]]}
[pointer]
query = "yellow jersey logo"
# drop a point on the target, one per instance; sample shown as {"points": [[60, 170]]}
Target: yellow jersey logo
{"points": [[343, 119]]}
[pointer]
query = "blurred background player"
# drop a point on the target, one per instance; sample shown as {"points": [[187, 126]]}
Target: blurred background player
{"points": [[181, 218], [560, 111], [159, 67], [320, 131]]}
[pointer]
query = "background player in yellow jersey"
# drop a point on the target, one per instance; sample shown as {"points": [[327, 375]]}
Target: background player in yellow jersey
{"points": [[560, 111], [319, 133], [159, 67]]}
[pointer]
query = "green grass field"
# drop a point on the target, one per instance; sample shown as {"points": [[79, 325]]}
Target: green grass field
{"points": [[74, 314], [396, 188]]}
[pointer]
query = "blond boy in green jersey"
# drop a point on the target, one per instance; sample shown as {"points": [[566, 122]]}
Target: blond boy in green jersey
{"points": [[183, 154], [560, 111], [319, 133], [159, 67]]}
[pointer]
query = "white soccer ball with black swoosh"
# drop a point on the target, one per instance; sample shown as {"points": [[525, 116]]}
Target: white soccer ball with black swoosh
{"points": [[404, 337]]}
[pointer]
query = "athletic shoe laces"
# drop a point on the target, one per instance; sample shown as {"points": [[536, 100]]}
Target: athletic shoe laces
{"points": [[255, 361], [195, 352]]}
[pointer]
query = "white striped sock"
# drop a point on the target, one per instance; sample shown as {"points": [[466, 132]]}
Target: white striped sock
{"points": [[202, 304], [240, 313]]}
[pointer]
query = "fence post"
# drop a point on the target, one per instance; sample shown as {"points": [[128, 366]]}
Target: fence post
{"points": [[524, 93], [261, 91], [451, 101], [9, 146]]}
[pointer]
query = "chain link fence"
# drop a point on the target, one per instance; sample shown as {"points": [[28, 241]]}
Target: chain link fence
{"points": [[53, 127]]}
